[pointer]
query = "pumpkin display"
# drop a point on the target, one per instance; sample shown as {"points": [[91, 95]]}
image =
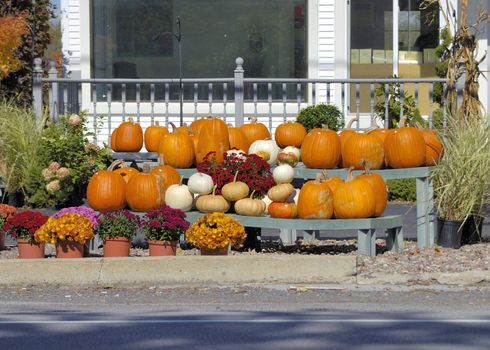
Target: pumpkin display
{"points": [[129, 137], [200, 183], [280, 193], [283, 210], [212, 203], [177, 150], [113, 140], [433, 146], [237, 138], [266, 149], [283, 173], [250, 206], [126, 172], [145, 191], [235, 190], [315, 200], [290, 134], [153, 135], [289, 158], [295, 150], [354, 199], [405, 147], [379, 186], [213, 137], [333, 182], [255, 131], [106, 190], [321, 149], [178, 196], [363, 147], [167, 173]]}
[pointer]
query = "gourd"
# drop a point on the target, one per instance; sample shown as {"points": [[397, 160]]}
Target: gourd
{"points": [[153, 135], [283, 173], [289, 158], [200, 183], [379, 186], [250, 206], [321, 149], [145, 191], [333, 182], [212, 203], [363, 147], [405, 147], [177, 150], [291, 149], [236, 153], [354, 199], [283, 210], [179, 197], [315, 200], [237, 138], [106, 190], [266, 149], [290, 134], [280, 193], [266, 201], [126, 172], [167, 173], [255, 131], [213, 137], [235, 190], [129, 137]]}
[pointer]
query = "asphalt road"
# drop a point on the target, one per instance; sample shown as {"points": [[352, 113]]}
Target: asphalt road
{"points": [[245, 318]]}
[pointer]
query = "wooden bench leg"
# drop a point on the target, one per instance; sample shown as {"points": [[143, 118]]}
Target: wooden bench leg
{"points": [[310, 235], [287, 236], [394, 239], [366, 242]]}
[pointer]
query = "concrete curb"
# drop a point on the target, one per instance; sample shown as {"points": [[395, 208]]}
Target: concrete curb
{"points": [[454, 278], [180, 270]]}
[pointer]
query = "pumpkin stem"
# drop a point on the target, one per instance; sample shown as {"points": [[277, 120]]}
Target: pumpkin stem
{"points": [[367, 168], [236, 176], [318, 178], [146, 168], [214, 189], [350, 176], [157, 123], [181, 179], [230, 125], [325, 174], [161, 159], [174, 127], [325, 126], [349, 124], [130, 120], [253, 120], [419, 126], [114, 164], [402, 122], [371, 129], [252, 194]]}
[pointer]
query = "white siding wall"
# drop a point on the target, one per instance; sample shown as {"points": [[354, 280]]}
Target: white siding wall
{"points": [[70, 24]]}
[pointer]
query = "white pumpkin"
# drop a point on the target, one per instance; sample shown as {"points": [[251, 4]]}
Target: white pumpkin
{"points": [[267, 201], [283, 173], [179, 197], [200, 183], [265, 146], [237, 153], [294, 150]]}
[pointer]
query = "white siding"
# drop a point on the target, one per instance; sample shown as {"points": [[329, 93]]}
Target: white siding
{"points": [[70, 26], [326, 46]]}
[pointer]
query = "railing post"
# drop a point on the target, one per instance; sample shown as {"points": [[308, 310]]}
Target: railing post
{"points": [[239, 98], [37, 88], [53, 92]]}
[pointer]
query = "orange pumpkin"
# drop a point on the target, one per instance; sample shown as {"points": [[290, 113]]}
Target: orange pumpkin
{"points": [[113, 140], [145, 191], [381, 133], [333, 182], [129, 137], [177, 150], [315, 200], [255, 131], [106, 190], [363, 147], [184, 129], [404, 147], [153, 135], [282, 210], [126, 172], [237, 138], [433, 147], [321, 149], [197, 125], [354, 199], [168, 174], [379, 186], [290, 134], [213, 138], [195, 141], [344, 135]]}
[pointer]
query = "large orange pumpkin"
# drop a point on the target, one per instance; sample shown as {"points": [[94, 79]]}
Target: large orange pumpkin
{"points": [[255, 131], [197, 125], [381, 133], [333, 182], [177, 150], [145, 191], [315, 200], [433, 147], [379, 186], [184, 129], [237, 138], [213, 138], [106, 190], [126, 172], [282, 210], [344, 135], [362, 148], [168, 174], [195, 141], [290, 134], [354, 199], [153, 135], [113, 140], [321, 149], [404, 147], [129, 137]]}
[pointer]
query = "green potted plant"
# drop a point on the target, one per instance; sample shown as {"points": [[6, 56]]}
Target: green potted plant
{"points": [[116, 228], [163, 227], [321, 115], [462, 178]]}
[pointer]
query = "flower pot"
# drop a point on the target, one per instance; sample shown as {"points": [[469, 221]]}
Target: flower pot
{"points": [[162, 248], [217, 251], [15, 199], [472, 230], [30, 250], [116, 247], [69, 250], [449, 233]]}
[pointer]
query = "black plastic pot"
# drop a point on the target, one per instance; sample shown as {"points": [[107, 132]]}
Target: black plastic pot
{"points": [[449, 233], [15, 199], [472, 229]]}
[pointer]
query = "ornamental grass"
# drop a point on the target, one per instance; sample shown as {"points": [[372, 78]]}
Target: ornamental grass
{"points": [[216, 230], [68, 227]]}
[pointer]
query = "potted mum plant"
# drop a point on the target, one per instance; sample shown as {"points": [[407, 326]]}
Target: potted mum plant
{"points": [[162, 228], [5, 212], [214, 233], [23, 226], [116, 228], [69, 232]]}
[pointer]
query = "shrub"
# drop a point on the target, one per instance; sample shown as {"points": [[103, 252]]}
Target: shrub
{"points": [[402, 190], [315, 116]]}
